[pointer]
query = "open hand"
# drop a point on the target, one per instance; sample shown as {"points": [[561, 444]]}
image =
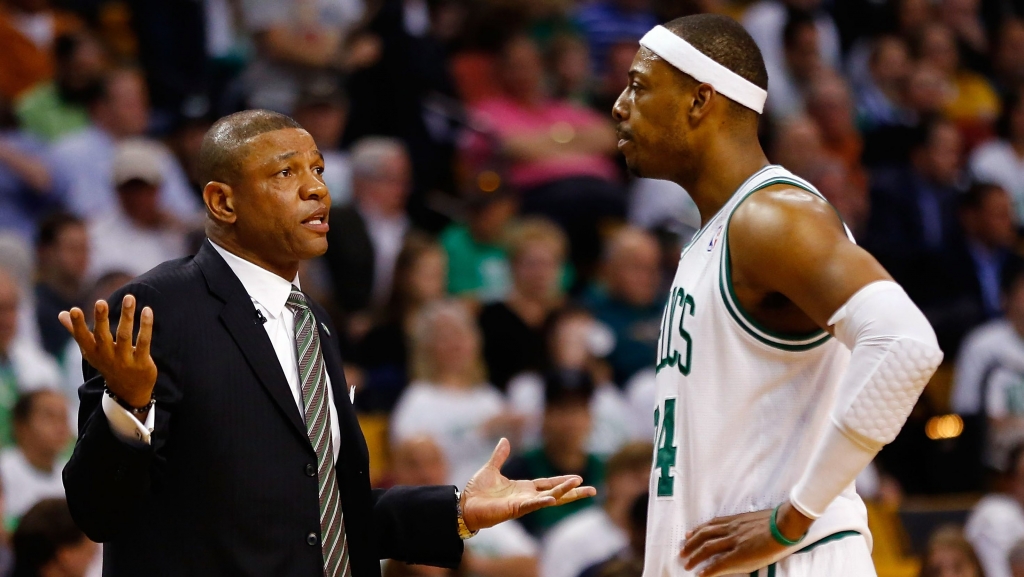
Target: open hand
{"points": [[740, 544], [490, 498], [129, 371]]}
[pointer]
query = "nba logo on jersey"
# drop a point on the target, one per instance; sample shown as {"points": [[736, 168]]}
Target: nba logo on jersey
{"points": [[714, 239]]}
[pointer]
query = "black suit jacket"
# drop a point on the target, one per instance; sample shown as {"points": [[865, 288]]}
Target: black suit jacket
{"points": [[223, 489]]}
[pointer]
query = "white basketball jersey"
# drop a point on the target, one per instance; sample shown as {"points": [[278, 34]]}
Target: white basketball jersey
{"points": [[740, 408]]}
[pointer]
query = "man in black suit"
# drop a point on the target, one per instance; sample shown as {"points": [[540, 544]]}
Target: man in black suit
{"points": [[224, 441]]}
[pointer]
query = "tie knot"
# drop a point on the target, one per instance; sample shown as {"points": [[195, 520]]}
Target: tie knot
{"points": [[296, 299]]}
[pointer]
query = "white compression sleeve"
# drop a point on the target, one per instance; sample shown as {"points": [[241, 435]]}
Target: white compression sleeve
{"points": [[894, 353]]}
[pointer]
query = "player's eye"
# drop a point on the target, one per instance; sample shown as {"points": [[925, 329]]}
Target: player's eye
{"points": [[319, 170], [285, 172]]}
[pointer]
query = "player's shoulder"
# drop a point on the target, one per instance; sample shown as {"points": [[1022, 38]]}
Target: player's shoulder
{"points": [[786, 214]]}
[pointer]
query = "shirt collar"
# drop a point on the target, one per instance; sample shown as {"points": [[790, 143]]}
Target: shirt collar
{"points": [[266, 288]]}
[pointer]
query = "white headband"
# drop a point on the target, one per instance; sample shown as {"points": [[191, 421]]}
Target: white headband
{"points": [[686, 58]]}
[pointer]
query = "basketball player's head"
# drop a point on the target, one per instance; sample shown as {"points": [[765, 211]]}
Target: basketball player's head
{"points": [[665, 117]]}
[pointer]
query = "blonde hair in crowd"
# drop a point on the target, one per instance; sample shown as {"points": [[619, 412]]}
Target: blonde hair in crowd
{"points": [[422, 362], [536, 230]]}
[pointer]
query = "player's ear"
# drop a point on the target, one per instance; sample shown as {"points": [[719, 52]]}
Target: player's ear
{"points": [[702, 100], [220, 201]]}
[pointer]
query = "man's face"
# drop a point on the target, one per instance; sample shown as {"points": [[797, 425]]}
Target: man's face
{"points": [[387, 191], [141, 203], [47, 426], [8, 311], [650, 115], [804, 56], [127, 104], [535, 271], [992, 223], [522, 68], [69, 254], [567, 426], [633, 273], [280, 203], [419, 461], [940, 158]]}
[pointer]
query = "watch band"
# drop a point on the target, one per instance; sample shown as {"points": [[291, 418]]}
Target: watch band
{"points": [[464, 532]]}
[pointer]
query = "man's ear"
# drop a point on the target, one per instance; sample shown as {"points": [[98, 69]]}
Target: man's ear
{"points": [[220, 202], [703, 102]]}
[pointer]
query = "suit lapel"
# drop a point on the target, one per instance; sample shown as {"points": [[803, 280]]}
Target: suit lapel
{"points": [[239, 317]]}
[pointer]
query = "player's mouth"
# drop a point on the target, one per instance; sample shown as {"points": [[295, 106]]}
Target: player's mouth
{"points": [[317, 221], [624, 137]]}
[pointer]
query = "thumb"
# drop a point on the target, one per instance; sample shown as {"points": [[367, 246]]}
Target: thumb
{"points": [[500, 454]]}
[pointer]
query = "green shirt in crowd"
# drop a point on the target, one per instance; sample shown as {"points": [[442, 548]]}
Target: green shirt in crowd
{"points": [[475, 268], [41, 112]]}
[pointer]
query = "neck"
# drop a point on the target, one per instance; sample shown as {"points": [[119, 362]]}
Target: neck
{"points": [[41, 460], [618, 511], [734, 160], [454, 380], [566, 460], [286, 270], [532, 310], [61, 284]]}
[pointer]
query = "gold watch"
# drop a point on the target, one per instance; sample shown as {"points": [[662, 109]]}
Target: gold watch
{"points": [[464, 532]]}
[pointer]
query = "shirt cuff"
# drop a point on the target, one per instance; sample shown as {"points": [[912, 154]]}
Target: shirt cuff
{"points": [[125, 425]]}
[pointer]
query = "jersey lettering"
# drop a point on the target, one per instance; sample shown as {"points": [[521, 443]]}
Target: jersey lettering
{"points": [[665, 459], [670, 354]]}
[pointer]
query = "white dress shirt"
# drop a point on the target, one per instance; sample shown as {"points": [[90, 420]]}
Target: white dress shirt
{"points": [[269, 293]]}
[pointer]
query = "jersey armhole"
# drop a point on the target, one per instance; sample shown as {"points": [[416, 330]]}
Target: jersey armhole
{"points": [[793, 342]]}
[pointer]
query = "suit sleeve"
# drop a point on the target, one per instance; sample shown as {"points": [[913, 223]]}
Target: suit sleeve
{"points": [[417, 525], [109, 481]]}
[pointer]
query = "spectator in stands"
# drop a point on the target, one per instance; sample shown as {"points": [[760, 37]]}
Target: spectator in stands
{"points": [[383, 354], [628, 561], [830, 105], [801, 63], [974, 104], [880, 98], [322, 109], [847, 194], [576, 342], [596, 533], [951, 555], [609, 21], [31, 470], [630, 302], [913, 209], [137, 235], [926, 93], [570, 69], [62, 259], [478, 264], [1001, 160], [963, 18], [1008, 56], [85, 159], [513, 329], [366, 236], [996, 523], [449, 397], [610, 77], [26, 184], [52, 109], [798, 145], [295, 44], [563, 450], [23, 366], [559, 153], [48, 542], [28, 29], [504, 550]]}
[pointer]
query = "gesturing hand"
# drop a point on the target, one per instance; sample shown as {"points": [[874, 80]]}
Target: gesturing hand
{"points": [[490, 498], [740, 543], [129, 371]]}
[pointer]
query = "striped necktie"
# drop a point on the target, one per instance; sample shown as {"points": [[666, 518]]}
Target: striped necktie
{"points": [[313, 380]]}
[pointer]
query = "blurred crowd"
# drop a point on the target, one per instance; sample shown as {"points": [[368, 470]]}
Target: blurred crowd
{"points": [[496, 270]]}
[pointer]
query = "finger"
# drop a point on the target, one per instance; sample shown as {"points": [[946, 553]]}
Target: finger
{"points": [[701, 534], [500, 454], [101, 330], [719, 566], [74, 321], [577, 494], [563, 487], [145, 333], [552, 482], [707, 550], [125, 326], [535, 504]]}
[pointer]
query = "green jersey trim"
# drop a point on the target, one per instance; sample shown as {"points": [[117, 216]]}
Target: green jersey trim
{"points": [[765, 335], [696, 236]]}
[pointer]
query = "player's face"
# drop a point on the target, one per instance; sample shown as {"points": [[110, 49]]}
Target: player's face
{"points": [[649, 113], [281, 202]]}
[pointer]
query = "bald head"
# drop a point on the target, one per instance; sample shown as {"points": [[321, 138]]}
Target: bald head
{"points": [[223, 147], [725, 41]]}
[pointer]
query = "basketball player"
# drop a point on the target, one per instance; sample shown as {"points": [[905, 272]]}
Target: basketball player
{"points": [[788, 357]]}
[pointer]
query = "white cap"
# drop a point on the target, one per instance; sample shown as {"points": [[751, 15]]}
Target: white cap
{"points": [[138, 159]]}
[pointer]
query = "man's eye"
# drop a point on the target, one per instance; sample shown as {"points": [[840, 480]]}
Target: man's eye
{"points": [[285, 172], [319, 170]]}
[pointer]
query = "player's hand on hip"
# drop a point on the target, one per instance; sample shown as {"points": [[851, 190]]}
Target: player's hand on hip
{"points": [[490, 498], [740, 543], [129, 371]]}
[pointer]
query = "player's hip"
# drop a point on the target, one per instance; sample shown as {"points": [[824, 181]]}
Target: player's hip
{"points": [[844, 554]]}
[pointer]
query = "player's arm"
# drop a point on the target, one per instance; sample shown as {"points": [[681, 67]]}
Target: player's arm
{"points": [[786, 241]]}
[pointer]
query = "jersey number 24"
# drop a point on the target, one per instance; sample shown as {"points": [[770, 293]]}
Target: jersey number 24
{"points": [[665, 445]]}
